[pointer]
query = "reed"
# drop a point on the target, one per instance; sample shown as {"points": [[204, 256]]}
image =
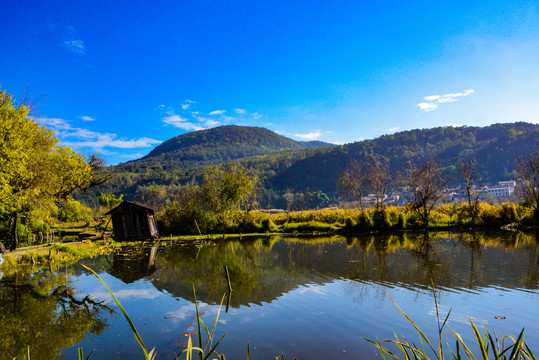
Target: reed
{"points": [[489, 344], [204, 350]]}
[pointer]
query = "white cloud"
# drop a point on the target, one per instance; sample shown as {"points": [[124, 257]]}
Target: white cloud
{"points": [[256, 115], [228, 118], [240, 111], [75, 46], [79, 138], [309, 136], [427, 106], [185, 106], [111, 140], [212, 123], [217, 112], [441, 99], [132, 156], [393, 129], [54, 123], [179, 122], [87, 118]]}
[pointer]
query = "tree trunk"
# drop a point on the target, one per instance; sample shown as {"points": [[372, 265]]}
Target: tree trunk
{"points": [[2, 248], [14, 234]]}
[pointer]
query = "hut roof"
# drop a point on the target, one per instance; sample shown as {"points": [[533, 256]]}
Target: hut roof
{"points": [[126, 204]]}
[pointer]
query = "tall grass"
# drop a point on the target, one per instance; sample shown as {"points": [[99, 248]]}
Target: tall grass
{"points": [[489, 344], [204, 351]]}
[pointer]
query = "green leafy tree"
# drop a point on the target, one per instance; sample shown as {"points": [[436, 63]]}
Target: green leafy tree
{"points": [[34, 171], [227, 191]]}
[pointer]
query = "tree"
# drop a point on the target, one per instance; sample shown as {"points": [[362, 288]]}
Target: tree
{"points": [[426, 185], [224, 192], [228, 190], [468, 169], [378, 175], [528, 171], [352, 183], [34, 171]]}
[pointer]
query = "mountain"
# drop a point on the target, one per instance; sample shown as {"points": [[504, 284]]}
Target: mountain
{"points": [[496, 148], [214, 146], [282, 167]]}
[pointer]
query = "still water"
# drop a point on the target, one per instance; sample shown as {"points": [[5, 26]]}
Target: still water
{"points": [[308, 298]]}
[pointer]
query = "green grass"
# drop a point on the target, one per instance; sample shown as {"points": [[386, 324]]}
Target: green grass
{"points": [[490, 345]]}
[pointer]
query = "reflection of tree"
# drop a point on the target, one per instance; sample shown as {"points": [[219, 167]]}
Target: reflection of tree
{"points": [[42, 311], [265, 269]]}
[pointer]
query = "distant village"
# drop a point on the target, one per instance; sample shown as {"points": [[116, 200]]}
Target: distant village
{"points": [[503, 191]]}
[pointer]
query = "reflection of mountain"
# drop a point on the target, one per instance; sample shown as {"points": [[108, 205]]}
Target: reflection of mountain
{"points": [[130, 265], [263, 270]]}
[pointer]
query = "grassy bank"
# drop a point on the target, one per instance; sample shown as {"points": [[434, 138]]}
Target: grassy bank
{"points": [[51, 255], [349, 221]]}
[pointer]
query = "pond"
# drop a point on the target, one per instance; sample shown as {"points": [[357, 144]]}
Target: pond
{"points": [[310, 298]]}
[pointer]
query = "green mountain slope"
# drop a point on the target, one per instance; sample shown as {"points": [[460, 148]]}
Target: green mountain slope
{"points": [[496, 148], [214, 146]]}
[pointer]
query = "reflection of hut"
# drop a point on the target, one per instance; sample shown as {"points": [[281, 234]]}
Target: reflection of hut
{"points": [[132, 221], [130, 264]]}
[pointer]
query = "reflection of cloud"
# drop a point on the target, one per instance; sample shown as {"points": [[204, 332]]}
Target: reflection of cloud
{"points": [[309, 136], [455, 315], [85, 138], [311, 288], [441, 99], [217, 112], [127, 293]]}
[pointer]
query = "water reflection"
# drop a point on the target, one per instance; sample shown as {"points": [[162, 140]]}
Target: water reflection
{"points": [[303, 296], [43, 312], [132, 264], [263, 270]]}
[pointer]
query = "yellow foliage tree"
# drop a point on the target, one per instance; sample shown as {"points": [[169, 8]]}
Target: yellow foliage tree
{"points": [[34, 171]]}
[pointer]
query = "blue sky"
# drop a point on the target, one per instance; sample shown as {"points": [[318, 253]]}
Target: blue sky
{"points": [[119, 77]]}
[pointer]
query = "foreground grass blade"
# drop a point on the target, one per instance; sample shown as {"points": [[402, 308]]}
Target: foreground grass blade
{"points": [[148, 356], [413, 324], [199, 332]]}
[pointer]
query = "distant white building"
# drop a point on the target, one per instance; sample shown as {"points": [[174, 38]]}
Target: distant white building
{"points": [[503, 189]]}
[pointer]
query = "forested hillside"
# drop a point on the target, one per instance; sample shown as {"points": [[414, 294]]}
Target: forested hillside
{"points": [[316, 170], [214, 146]]}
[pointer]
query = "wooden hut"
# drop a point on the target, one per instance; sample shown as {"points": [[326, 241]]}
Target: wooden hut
{"points": [[133, 221]]}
